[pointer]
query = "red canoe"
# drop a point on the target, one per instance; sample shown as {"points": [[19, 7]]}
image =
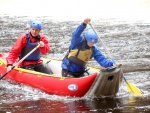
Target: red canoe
{"points": [[96, 84]]}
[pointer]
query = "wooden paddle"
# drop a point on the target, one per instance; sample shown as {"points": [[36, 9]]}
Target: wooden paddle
{"points": [[20, 61], [131, 88]]}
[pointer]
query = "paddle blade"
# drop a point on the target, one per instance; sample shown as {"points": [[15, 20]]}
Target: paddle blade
{"points": [[133, 89]]}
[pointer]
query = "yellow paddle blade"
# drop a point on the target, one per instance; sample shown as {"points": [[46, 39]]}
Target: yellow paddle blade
{"points": [[133, 89]]}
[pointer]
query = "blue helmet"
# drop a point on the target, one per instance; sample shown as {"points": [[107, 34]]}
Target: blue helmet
{"points": [[36, 24], [91, 36]]}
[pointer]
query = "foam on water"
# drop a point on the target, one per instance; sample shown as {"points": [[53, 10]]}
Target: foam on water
{"points": [[78, 9]]}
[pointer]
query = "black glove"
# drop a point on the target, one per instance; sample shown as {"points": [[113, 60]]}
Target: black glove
{"points": [[38, 37]]}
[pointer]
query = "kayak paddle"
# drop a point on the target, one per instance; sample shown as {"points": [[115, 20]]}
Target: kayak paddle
{"points": [[1, 77]]}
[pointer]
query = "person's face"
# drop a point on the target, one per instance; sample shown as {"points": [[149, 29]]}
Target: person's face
{"points": [[90, 44], [34, 31]]}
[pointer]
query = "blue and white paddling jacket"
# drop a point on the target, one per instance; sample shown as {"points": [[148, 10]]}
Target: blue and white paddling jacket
{"points": [[76, 41]]}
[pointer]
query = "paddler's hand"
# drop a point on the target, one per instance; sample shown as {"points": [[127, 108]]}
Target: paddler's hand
{"points": [[87, 20], [9, 68], [41, 44], [117, 65]]}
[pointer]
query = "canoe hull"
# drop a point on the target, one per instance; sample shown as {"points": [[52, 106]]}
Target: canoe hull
{"points": [[93, 85], [106, 84]]}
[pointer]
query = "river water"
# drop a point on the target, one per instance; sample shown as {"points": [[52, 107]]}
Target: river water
{"points": [[128, 41]]}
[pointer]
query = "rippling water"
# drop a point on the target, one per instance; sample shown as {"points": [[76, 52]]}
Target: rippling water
{"points": [[127, 41]]}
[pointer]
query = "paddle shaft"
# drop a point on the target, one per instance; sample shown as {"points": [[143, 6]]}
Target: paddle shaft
{"points": [[106, 49], [20, 61], [133, 88], [108, 53]]}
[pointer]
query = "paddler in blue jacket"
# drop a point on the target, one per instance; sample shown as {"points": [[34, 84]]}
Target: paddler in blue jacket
{"points": [[81, 50]]}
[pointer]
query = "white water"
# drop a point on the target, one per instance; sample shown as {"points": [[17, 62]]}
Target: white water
{"points": [[78, 9]]}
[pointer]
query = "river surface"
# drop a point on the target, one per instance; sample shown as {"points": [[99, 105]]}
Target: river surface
{"points": [[127, 41]]}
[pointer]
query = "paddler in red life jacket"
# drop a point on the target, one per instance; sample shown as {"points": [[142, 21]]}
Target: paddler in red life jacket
{"points": [[81, 50], [27, 42]]}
